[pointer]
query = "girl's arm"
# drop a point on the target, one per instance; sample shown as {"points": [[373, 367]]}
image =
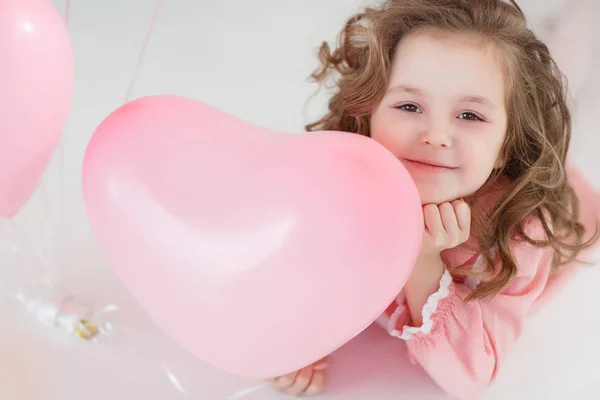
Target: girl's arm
{"points": [[462, 344], [423, 282]]}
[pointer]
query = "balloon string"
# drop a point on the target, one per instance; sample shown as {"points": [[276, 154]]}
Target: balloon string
{"points": [[143, 50], [25, 242], [67, 11], [53, 230], [50, 247], [54, 220]]}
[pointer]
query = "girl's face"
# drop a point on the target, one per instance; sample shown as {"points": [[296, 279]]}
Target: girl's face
{"points": [[444, 113]]}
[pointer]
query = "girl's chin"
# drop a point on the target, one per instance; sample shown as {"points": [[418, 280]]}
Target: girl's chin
{"points": [[434, 194], [437, 198]]}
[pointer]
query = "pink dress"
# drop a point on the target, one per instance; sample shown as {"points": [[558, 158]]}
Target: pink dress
{"points": [[462, 345]]}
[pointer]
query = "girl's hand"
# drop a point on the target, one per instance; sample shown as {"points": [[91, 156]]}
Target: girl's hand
{"points": [[305, 382], [446, 226]]}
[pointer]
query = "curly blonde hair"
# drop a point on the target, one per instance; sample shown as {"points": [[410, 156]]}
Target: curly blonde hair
{"points": [[539, 128]]}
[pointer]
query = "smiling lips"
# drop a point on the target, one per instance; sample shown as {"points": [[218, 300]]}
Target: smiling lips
{"points": [[429, 165]]}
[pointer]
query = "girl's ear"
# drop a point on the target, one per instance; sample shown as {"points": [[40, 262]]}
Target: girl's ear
{"points": [[571, 41]]}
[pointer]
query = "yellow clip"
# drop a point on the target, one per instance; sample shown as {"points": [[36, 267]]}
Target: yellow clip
{"points": [[86, 330]]}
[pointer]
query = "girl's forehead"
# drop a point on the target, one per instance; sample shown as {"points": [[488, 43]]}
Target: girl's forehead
{"points": [[447, 64]]}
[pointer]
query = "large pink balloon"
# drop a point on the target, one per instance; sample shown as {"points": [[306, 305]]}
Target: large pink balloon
{"points": [[259, 252], [36, 89]]}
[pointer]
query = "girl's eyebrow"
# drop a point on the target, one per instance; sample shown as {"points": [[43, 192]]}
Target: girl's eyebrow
{"points": [[478, 99], [407, 89]]}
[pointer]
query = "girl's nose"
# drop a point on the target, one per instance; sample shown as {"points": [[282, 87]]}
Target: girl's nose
{"points": [[436, 136]]}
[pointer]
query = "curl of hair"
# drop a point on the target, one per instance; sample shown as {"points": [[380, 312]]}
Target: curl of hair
{"points": [[539, 128]]}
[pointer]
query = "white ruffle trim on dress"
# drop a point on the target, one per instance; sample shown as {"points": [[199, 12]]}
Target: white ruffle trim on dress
{"points": [[428, 310]]}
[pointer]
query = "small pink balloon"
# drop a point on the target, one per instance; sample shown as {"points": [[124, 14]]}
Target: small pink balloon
{"points": [[257, 251], [36, 89]]}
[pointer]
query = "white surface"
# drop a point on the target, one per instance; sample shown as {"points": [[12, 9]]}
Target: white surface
{"points": [[250, 59]]}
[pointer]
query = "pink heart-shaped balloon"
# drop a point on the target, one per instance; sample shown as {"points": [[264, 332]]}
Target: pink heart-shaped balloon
{"points": [[257, 251], [36, 91]]}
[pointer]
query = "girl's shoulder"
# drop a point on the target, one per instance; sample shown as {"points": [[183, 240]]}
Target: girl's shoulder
{"points": [[536, 227]]}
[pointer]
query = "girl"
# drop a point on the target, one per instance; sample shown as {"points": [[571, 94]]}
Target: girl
{"points": [[474, 106]]}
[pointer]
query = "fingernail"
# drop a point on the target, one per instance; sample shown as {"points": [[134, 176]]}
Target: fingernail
{"points": [[320, 367]]}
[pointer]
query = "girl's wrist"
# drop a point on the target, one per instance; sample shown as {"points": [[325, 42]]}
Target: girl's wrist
{"points": [[422, 283], [428, 257], [429, 268]]}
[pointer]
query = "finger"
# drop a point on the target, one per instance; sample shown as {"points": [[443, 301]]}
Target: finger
{"points": [[316, 384], [284, 382], [449, 220], [433, 222], [463, 215], [302, 381], [320, 365]]}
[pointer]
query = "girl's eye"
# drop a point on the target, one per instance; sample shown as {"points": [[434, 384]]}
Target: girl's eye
{"points": [[469, 116], [409, 108]]}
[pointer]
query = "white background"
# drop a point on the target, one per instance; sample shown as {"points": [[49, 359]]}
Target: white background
{"points": [[252, 59]]}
